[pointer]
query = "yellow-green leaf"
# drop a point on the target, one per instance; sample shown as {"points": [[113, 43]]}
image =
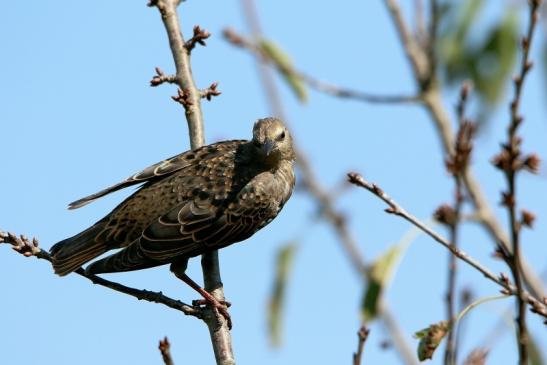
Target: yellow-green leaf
{"points": [[284, 64], [284, 263], [381, 272]]}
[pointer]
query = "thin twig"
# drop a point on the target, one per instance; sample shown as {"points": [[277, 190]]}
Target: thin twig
{"points": [[322, 86], [30, 248], [456, 165], [537, 306], [510, 161], [220, 334], [362, 336], [165, 350]]}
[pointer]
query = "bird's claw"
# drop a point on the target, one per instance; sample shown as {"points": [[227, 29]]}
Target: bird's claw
{"points": [[219, 306]]}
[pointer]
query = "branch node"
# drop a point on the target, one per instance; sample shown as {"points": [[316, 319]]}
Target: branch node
{"points": [[183, 97], [161, 77], [199, 37], [210, 91]]}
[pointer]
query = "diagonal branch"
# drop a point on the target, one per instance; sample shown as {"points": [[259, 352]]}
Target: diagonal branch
{"points": [[30, 248], [538, 306], [322, 86]]}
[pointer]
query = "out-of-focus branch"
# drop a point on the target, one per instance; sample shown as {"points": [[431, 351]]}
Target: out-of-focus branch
{"points": [[165, 350], [220, 334], [28, 248], [538, 306], [322, 197], [362, 336], [456, 163], [425, 75], [328, 88]]}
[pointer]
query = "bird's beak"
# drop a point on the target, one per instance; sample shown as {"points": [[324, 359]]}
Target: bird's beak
{"points": [[268, 147]]}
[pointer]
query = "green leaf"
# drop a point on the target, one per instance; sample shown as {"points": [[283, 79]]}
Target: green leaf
{"points": [[284, 64], [380, 273], [284, 263]]}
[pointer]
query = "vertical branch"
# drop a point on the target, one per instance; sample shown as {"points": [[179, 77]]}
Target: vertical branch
{"points": [[511, 162], [456, 164], [220, 334]]}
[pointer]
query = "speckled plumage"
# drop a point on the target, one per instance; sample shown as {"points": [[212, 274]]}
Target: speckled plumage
{"points": [[197, 201]]}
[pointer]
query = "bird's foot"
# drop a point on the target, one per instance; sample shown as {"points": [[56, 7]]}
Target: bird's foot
{"points": [[219, 306]]}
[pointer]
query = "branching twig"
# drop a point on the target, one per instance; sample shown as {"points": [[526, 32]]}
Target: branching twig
{"points": [[199, 37], [537, 306], [362, 335], [210, 91], [240, 41], [160, 78], [29, 248], [165, 350], [511, 161]]}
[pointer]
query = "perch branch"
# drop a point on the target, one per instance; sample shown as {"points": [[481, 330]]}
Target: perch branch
{"points": [[220, 334], [28, 248]]}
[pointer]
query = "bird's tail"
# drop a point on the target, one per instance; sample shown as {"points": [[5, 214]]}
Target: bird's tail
{"points": [[70, 254], [129, 259]]}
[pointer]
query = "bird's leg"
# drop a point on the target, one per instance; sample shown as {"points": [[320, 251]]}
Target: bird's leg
{"points": [[220, 306]]}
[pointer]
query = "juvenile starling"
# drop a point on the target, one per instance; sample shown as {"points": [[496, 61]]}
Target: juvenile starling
{"points": [[197, 201]]}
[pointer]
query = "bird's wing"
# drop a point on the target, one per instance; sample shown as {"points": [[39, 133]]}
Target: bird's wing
{"points": [[198, 225], [160, 169]]}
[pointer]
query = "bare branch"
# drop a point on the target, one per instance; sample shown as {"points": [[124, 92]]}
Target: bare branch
{"points": [[160, 78], [510, 161], [165, 350], [537, 306], [210, 91], [238, 40], [29, 248], [200, 35], [424, 73], [416, 55], [456, 164], [362, 335]]}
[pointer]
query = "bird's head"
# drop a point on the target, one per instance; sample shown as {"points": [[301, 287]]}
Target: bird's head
{"points": [[273, 140]]}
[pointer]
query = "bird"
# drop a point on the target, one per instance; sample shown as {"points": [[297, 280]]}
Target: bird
{"points": [[197, 201]]}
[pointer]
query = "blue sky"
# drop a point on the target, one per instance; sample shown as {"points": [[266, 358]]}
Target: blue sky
{"points": [[78, 115]]}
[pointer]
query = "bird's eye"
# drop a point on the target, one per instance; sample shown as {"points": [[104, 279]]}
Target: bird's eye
{"points": [[281, 136]]}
